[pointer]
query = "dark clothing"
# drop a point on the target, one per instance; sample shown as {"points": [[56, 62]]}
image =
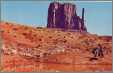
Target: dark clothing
{"points": [[98, 52]]}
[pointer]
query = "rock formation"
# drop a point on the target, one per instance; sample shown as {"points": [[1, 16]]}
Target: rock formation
{"points": [[65, 16]]}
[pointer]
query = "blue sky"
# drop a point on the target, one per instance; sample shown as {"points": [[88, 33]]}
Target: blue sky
{"points": [[98, 15]]}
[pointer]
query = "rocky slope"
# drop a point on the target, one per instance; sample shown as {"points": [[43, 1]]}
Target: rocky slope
{"points": [[69, 50]]}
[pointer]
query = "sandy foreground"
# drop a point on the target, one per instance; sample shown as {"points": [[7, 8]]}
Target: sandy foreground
{"points": [[27, 49]]}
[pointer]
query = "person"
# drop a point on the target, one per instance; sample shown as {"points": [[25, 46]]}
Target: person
{"points": [[98, 52]]}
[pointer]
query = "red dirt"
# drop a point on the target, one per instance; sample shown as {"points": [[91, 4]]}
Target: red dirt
{"points": [[76, 57]]}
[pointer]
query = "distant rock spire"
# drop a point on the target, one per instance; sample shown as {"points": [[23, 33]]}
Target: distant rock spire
{"points": [[64, 16]]}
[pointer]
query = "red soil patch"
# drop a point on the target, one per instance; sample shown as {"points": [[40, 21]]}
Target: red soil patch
{"points": [[73, 55]]}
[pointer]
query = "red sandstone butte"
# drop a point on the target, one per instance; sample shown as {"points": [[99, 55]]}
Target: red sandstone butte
{"points": [[65, 16]]}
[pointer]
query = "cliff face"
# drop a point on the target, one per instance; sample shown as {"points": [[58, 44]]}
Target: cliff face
{"points": [[64, 16]]}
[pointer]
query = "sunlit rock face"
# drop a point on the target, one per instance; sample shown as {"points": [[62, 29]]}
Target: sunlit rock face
{"points": [[64, 16], [55, 14]]}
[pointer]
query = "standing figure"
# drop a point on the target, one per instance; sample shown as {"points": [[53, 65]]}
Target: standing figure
{"points": [[98, 52]]}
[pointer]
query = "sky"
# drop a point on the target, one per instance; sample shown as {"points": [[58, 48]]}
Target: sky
{"points": [[98, 14]]}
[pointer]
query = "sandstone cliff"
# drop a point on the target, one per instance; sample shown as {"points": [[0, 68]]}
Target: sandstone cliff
{"points": [[64, 16]]}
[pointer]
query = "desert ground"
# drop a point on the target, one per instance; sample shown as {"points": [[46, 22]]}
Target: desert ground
{"points": [[28, 49]]}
